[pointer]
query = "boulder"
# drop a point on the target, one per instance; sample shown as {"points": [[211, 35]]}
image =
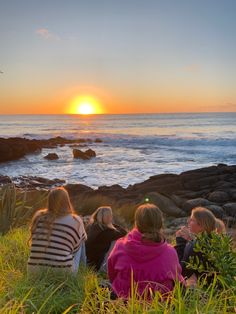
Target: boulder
{"points": [[77, 153], [216, 210], [230, 209], [51, 156], [98, 140], [196, 202], [91, 153], [218, 197], [165, 204]]}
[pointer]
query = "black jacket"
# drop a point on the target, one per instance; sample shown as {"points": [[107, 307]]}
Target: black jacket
{"points": [[99, 241], [185, 250]]}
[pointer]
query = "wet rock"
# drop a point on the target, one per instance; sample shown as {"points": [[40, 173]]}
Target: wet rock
{"points": [[15, 148], [88, 154], [77, 153], [51, 156], [91, 153], [98, 140]]}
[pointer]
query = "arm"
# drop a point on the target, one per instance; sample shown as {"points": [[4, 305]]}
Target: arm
{"points": [[180, 247]]}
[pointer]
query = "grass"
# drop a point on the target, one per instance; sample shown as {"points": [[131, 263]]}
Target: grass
{"points": [[63, 293]]}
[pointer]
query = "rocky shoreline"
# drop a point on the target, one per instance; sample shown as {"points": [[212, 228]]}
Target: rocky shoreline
{"points": [[176, 194], [15, 148]]}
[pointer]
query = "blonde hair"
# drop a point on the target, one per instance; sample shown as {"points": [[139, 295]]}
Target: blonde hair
{"points": [[220, 226], [149, 221], [99, 214], [59, 205], [205, 218]]}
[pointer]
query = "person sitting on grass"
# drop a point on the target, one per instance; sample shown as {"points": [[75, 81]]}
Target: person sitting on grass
{"points": [[201, 220], [57, 235], [101, 236], [143, 259]]}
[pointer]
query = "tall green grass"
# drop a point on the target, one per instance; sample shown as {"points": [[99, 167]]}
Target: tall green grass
{"points": [[63, 293]]}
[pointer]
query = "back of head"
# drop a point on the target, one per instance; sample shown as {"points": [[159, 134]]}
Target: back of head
{"points": [[59, 203], [205, 218], [149, 221], [101, 214]]}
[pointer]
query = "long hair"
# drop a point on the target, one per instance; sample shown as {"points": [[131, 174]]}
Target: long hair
{"points": [[58, 205], [99, 215], [205, 218], [149, 221]]}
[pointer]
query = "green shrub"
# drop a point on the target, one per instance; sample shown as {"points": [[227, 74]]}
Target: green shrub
{"points": [[219, 257]]}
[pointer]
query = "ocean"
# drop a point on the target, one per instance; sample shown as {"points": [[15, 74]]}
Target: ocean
{"points": [[134, 147]]}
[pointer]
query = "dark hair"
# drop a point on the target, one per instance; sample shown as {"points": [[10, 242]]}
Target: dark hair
{"points": [[149, 221]]}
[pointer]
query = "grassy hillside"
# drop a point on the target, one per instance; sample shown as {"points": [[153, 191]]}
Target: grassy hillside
{"points": [[57, 293]]}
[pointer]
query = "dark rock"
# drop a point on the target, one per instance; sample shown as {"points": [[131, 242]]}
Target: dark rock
{"points": [[5, 180], [216, 210], [51, 156], [15, 147], [190, 204], [165, 204], [75, 189], [91, 153], [218, 197], [230, 209], [98, 140], [77, 153]]}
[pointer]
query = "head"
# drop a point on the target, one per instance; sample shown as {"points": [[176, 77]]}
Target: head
{"points": [[149, 221], [58, 205], [103, 216], [202, 220], [220, 226]]}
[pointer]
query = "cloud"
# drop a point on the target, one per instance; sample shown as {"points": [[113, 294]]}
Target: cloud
{"points": [[46, 34], [192, 68]]}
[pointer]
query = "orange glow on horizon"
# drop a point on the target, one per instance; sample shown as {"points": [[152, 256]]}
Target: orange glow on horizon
{"points": [[85, 105]]}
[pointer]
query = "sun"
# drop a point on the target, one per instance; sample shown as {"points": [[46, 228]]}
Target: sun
{"points": [[85, 105], [85, 108]]}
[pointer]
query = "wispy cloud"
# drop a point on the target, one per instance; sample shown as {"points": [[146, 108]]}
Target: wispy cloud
{"points": [[46, 34], [192, 68]]}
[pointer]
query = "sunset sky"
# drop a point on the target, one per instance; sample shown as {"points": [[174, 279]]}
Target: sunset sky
{"points": [[128, 56]]}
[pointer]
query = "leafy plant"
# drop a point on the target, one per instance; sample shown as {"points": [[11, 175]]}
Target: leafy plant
{"points": [[15, 209], [219, 258]]}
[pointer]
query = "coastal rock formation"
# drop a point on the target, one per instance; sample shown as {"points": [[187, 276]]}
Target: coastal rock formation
{"points": [[51, 156], [213, 187], [16, 147], [88, 154]]}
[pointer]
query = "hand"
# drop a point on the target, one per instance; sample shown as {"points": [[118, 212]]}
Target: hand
{"points": [[191, 281], [184, 233]]}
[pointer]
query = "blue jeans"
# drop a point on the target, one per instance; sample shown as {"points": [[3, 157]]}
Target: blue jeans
{"points": [[80, 257]]}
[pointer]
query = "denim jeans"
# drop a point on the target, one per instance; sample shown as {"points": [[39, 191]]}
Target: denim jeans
{"points": [[80, 257]]}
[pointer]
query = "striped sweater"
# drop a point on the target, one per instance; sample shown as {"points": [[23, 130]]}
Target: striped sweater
{"points": [[59, 249]]}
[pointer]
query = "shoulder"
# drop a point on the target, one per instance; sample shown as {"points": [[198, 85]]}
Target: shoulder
{"points": [[170, 250], [72, 220]]}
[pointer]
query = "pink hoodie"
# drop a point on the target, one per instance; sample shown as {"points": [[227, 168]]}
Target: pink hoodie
{"points": [[154, 265]]}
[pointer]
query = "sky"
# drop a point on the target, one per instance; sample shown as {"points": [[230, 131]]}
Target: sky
{"points": [[129, 56]]}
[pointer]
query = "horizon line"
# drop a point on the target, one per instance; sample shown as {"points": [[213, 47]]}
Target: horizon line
{"points": [[111, 114]]}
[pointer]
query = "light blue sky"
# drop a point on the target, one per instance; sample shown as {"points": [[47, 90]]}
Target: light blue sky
{"points": [[146, 56]]}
